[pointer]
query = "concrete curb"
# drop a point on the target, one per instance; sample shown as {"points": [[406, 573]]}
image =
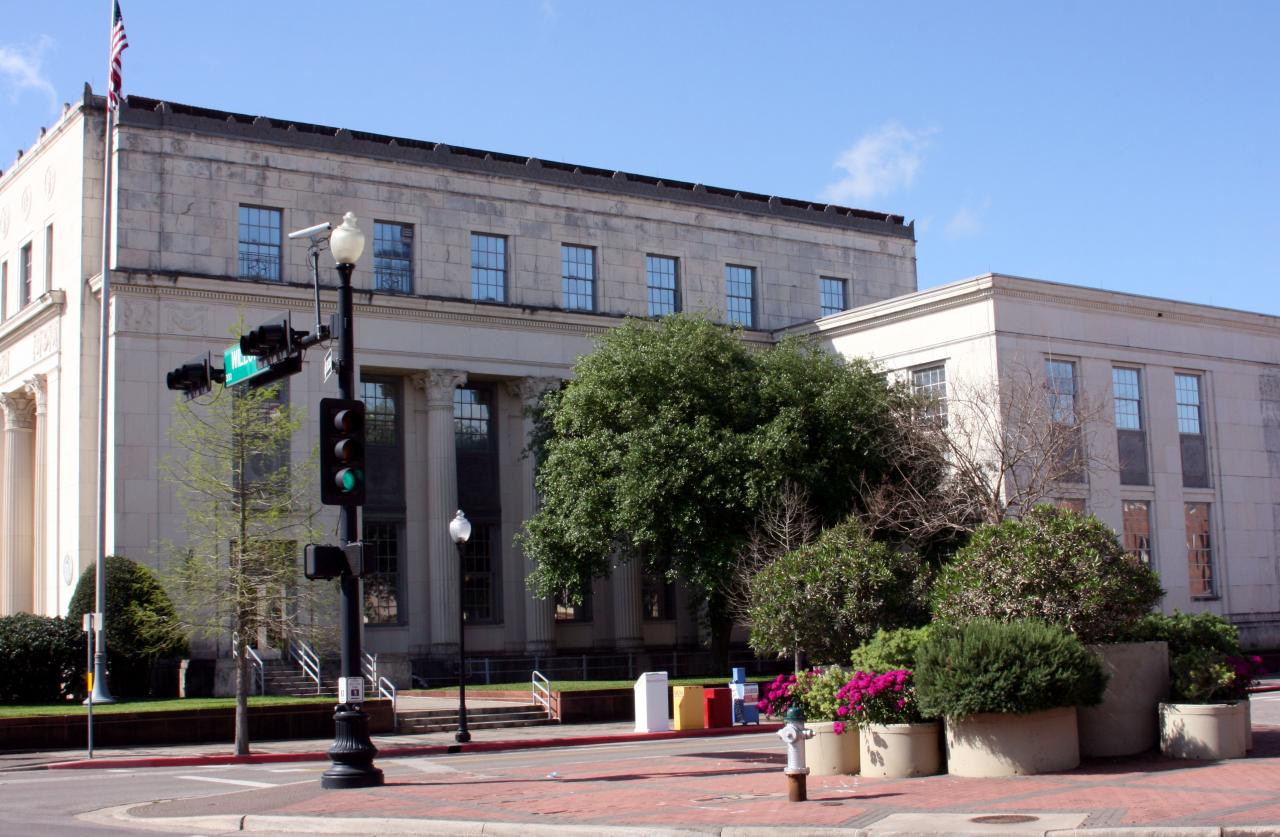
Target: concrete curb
{"points": [[402, 752]]}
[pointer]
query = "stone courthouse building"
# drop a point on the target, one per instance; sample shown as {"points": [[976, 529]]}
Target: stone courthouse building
{"points": [[484, 276]]}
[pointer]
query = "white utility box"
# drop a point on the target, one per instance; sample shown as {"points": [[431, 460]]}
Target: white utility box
{"points": [[653, 710]]}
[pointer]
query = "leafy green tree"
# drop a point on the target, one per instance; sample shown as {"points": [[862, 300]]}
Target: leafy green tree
{"points": [[671, 438], [248, 512], [831, 596], [1053, 565], [142, 625]]}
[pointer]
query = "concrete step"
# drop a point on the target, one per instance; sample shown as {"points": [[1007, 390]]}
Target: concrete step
{"points": [[473, 722], [519, 710]]}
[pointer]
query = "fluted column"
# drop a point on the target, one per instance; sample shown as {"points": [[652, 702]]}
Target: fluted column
{"points": [[628, 631], [36, 388], [539, 613], [15, 541], [443, 572]]}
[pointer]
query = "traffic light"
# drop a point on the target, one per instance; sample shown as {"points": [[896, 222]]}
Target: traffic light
{"points": [[194, 377], [323, 561], [342, 477], [271, 339]]}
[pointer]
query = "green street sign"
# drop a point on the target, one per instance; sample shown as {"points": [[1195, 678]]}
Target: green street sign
{"points": [[238, 367]]}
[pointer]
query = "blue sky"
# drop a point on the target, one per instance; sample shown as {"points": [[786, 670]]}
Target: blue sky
{"points": [[1130, 146]]}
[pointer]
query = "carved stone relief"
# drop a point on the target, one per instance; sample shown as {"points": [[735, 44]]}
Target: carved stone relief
{"points": [[187, 318]]}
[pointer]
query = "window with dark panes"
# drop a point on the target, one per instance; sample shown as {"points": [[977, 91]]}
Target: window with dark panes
{"points": [[48, 257], [661, 278], [393, 257], [382, 594], [259, 243], [565, 611], [1071, 504], [1199, 550], [1137, 529], [833, 296], [475, 440], [262, 464], [479, 599], [657, 597], [488, 268], [380, 414], [1060, 385], [930, 383], [740, 295], [578, 277], [1131, 437], [24, 276], [1191, 436]]}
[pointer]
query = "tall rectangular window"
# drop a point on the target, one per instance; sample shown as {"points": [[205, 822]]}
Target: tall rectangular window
{"points": [[930, 384], [1137, 529], [1191, 437], [578, 277], [4, 291], [260, 243], [24, 276], [488, 268], [1060, 386], [48, 257], [393, 257], [740, 294], [832, 295], [476, 444], [661, 277], [479, 598], [567, 612], [657, 597], [382, 577], [1128, 398], [1131, 437], [1199, 550]]}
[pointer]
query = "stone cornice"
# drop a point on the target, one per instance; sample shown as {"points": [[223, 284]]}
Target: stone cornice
{"points": [[48, 306]]}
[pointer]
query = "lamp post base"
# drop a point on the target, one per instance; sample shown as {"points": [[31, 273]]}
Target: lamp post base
{"points": [[352, 752]]}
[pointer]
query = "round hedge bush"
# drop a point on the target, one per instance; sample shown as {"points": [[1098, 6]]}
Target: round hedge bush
{"points": [[142, 624], [986, 666], [41, 658], [1052, 565], [832, 595], [889, 650]]}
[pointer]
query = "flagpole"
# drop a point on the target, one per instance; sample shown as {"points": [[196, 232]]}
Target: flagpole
{"points": [[101, 693]]}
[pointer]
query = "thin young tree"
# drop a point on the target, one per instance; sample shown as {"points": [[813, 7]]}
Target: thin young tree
{"points": [[248, 511]]}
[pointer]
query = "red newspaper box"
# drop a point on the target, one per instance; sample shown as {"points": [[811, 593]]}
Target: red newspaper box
{"points": [[717, 707]]}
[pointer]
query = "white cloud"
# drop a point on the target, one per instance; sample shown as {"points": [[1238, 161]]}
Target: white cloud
{"points": [[20, 70], [967, 221], [879, 163], [547, 10]]}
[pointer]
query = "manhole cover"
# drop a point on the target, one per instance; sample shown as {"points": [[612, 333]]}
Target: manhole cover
{"points": [[1003, 819]]}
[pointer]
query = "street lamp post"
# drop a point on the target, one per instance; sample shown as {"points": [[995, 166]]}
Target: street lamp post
{"points": [[460, 531], [352, 752]]}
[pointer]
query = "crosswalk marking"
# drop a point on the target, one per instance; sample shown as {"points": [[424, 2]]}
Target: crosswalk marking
{"points": [[243, 782]]}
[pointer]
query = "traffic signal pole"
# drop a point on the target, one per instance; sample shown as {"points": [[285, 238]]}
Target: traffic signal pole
{"points": [[352, 752]]}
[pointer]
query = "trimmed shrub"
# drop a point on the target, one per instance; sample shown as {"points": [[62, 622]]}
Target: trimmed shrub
{"points": [[832, 595], [816, 691], [142, 624], [889, 650], [986, 666], [41, 658], [1054, 566], [1186, 632]]}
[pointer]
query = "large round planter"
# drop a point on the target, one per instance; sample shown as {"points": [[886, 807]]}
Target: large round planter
{"points": [[1125, 723], [1010, 744], [897, 751], [828, 754], [1203, 730]]}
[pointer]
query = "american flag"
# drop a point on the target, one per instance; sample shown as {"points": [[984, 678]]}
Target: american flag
{"points": [[119, 43]]}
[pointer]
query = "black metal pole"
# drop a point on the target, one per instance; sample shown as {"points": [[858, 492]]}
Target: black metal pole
{"points": [[463, 736], [352, 752]]}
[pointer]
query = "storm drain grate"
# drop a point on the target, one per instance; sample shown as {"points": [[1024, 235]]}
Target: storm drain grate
{"points": [[1003, 819]]}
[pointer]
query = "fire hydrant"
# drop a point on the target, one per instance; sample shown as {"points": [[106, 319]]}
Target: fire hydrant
{"points": [[795, 733]]}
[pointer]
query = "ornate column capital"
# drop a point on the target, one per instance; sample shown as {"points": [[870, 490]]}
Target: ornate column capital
{"points": [[439, 384], [37, 388], [529, 390], [19, 410]]}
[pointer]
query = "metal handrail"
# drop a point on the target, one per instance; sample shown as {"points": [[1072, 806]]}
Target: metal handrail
{"points": [[308, 660], [384, 687], [259, 672], [540, 692]]}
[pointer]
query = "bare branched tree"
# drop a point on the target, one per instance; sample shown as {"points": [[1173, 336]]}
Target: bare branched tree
{"points": [[1008, 444]]}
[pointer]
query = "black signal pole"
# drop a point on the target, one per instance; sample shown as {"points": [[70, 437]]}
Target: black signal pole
{"points": [[352, 752]]}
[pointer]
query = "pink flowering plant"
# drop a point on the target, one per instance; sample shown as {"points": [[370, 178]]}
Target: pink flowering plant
{"points": [[868, 698], [777, 698]]}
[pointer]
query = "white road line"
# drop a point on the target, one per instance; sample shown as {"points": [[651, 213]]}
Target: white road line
{"points": [[243, 782], [292, 770]]}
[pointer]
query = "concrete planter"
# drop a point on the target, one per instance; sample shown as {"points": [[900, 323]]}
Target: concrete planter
{"points": [[1126, 723], [1010, 744], [828, 754], [1204, 730], [897, 751]]}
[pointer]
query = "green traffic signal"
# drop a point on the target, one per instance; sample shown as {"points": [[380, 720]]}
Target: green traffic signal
{"points": [[342, 480]]}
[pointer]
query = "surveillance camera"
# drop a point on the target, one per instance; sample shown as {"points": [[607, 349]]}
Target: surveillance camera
{"points": [[310, 231]]}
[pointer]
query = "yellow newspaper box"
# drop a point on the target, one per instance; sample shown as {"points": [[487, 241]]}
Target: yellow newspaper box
{"points": [[686, 711]]}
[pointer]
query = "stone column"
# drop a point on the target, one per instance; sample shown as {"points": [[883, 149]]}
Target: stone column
{"points": [[36, 388], [628, 631], [443, 572], [15, 541], [539, 614]]}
